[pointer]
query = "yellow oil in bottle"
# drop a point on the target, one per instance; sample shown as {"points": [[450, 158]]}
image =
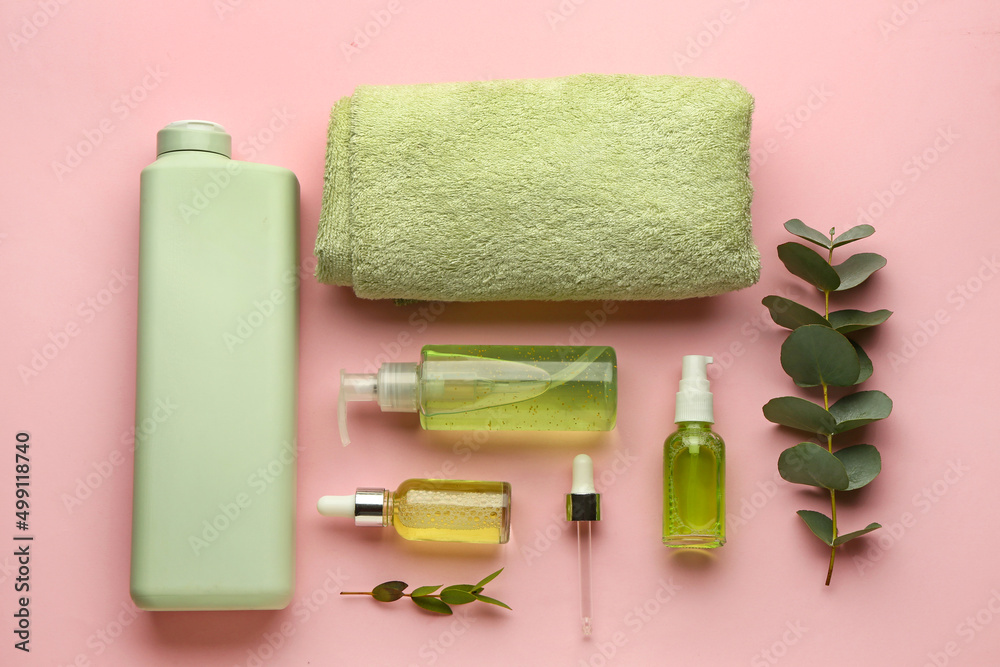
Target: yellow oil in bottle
{"points": [[452, 511]]}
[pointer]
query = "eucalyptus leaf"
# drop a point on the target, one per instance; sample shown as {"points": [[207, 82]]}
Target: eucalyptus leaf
{"points": [[798, 413], [425, 590], [808, 463], [853, 234], [482, 582], [432, 604], [804, 231], [485, 598], [863, 463], [866, 363], [846, 321], [856, 269], [814, 354], [820, 524], [807, 264], [457, 594], [858, 533], [860, 408], [389, 591], [791, 315]]}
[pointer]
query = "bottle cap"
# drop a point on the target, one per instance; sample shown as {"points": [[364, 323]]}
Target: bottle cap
{"points": [[694, 400], [366, 506], [583, 503], [194, 135], [394, 387]]}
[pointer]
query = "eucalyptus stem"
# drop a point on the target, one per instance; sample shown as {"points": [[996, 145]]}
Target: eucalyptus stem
{"points": [[829, 437]]}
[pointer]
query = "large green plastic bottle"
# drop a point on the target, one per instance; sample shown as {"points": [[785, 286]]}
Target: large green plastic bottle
{"points": [[214, 493]]}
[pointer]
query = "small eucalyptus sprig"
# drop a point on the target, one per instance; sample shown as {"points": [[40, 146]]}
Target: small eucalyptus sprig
{"points": [[819, 353], [426, 598]]}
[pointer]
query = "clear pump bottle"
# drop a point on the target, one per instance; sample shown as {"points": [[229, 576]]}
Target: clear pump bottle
{"points": [[438, 510], [495, 388], [694, 466]]}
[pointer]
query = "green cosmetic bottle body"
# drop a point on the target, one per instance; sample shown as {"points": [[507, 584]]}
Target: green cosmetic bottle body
{"points": [[518, 387], [494, 388], [694, 487], [214, 488]]}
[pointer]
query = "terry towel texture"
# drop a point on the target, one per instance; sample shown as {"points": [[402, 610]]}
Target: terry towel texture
{"points": [[583, 187]]}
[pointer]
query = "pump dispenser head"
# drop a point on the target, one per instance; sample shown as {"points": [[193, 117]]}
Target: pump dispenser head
{"points": [[694, 400], [394, 387]]}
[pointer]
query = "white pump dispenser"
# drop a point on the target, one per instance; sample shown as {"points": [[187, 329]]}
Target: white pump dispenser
{"points": [[694, 400], [394, 387]]}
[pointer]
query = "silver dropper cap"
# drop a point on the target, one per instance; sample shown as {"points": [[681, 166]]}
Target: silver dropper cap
{"points": [[367, 505]]}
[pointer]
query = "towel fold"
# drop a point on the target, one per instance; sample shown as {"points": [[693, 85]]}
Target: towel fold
{"points": [[583, 187]]}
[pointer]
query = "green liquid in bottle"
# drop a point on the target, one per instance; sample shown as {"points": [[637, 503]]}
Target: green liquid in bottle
{"points": [[694, 509], [515, 387]]}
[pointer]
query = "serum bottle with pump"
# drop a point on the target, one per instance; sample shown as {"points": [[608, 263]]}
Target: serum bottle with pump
{"points": [[694, 466]]}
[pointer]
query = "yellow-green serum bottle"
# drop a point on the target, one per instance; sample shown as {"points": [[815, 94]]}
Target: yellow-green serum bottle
{"points": [[437, 510], [495, 388], [694, 466]]}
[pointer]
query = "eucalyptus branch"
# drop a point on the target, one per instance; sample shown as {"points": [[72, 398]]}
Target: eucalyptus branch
{"points": [[425, 597], [819, 353]]}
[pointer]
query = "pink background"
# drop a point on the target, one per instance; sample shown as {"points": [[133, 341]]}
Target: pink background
{"points": [[888, 108]]}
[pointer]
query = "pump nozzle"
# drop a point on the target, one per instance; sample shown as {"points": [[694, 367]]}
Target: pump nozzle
{"points": [[394, 387], [694, 400], [353, 387]]}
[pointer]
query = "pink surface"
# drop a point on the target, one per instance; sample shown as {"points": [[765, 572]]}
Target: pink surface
{"points": [[884, 107]]}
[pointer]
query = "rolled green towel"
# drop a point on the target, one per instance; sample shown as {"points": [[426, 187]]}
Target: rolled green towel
{"points": [[583, 187]]}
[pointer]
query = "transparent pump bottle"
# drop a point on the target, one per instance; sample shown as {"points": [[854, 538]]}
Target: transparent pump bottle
{"points": [[694, 466], [438, 510], [495, 388]]}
